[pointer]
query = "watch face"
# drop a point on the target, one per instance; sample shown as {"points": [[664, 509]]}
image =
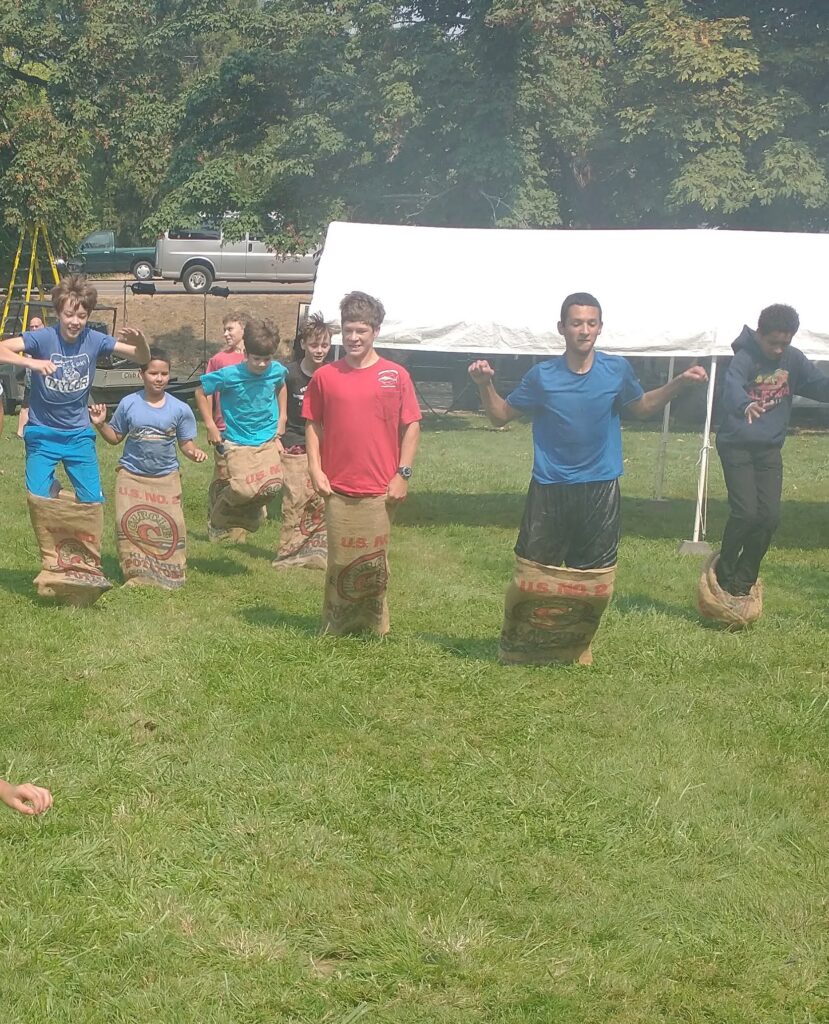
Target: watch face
{"points": [[405, 472]]}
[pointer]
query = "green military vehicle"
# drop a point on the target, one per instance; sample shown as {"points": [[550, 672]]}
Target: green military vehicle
{"points": [[99, 253]]}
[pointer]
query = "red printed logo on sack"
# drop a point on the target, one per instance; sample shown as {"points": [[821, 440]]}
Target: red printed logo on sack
{"points": [[312, 518], [273, 484], [365, 577], [551, 613], [71, 553], [151, 530]]}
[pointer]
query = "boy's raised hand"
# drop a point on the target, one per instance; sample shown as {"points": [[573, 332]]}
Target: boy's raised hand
{"points": [[97, 414], [44, 366]]}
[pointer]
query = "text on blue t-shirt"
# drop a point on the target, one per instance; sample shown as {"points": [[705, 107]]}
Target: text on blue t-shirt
{"points": [[577, 435], [59, 400]]}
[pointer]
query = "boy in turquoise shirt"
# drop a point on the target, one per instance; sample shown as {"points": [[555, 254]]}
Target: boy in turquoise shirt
{"points": [[253, 392], [254, 405]]}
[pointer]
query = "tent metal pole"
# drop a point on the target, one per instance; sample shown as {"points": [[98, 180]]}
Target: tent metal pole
{"points": [[698, 545], [659, 479]]}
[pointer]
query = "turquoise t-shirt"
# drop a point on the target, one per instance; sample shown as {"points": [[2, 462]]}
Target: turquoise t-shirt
{"points": [[248, 401], [577, 436]]}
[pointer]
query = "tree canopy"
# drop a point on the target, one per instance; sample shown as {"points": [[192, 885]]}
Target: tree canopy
{"points": [[286, 114]]}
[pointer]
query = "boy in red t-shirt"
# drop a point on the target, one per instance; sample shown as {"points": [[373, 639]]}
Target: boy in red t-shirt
{"points": [[233, 330], [363, 427]]}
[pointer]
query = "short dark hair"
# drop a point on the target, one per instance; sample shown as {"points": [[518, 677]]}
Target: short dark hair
{"points": [[359, 307], [261, 338], [160, 354], [579, 299], [778, 318]]}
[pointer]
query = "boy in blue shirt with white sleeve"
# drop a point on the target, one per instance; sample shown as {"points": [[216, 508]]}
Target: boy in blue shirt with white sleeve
{"points": [[254, 406], [62, 364], [151, 532]]}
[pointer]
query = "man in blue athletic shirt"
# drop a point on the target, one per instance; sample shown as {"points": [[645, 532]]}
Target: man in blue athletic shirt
{"points": [[572, 515]]}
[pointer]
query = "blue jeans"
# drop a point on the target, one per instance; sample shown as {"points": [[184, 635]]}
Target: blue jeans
{"points": [[46, 447]]}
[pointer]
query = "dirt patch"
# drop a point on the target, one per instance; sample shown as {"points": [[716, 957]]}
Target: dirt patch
{"points": [[189, 327]]}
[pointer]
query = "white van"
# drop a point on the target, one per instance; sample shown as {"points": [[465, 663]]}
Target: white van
{"points": [[199, 256]]}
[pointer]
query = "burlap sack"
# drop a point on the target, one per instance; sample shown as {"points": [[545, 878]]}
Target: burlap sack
{"points": [[718, 605], [149, 529], [551, 614], [215, 534], [69, 536], [357, 573], [237, 501], [303, 540]]}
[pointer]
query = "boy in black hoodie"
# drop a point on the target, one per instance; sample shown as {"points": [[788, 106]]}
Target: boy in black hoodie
{"points": [[764, 375]]}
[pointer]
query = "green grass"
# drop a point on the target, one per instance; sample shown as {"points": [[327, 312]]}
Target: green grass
{"points": [[256, 825]]}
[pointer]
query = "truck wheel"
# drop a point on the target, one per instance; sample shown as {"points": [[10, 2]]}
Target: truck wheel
{"points": [[143, 270], [197, 279]]}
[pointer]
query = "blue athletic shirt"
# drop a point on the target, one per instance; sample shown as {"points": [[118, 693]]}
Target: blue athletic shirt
{"points": [[577, 436], [60, 400], [151, 433], [248, 401]]}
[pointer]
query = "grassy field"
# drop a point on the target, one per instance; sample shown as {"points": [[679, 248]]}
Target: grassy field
{"points": [[256, 825]]}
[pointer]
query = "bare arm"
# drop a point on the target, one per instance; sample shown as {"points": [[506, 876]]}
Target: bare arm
{"points": [[409, 440], [282, 407], [313, 446], [98, 419], [653, 401], [10, 353], [498, 410], [214, 435], [132, 344], [193, 453]]}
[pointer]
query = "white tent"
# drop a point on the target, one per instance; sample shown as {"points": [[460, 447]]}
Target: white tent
{"points": [[493, 291]]}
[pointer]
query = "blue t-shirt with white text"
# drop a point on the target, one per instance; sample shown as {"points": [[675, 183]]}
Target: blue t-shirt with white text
{"points": [[152, 433], [60, 399], [577, 436], [248, 401]]}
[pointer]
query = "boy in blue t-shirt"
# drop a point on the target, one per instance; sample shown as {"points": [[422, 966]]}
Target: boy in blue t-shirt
{"points": [[151, 533], [254, 407], [62, 363], [152, 422]]}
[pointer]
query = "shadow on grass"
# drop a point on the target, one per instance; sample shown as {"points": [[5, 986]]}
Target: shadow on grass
{"points": [[803, 526], [222, 566], [265, 615], [437, 422], [628, 604], [19, 581], [471, 648], [443, 508]]}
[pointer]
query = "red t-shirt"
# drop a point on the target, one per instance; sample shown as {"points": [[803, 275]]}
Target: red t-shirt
{"points": [[361, 412], [218, 362]]}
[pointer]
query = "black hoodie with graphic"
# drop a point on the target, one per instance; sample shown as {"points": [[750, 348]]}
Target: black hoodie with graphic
{"points": [[753, 377]]}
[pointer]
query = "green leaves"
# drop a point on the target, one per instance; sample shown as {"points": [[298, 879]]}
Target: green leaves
{"points": [[476, 112]]}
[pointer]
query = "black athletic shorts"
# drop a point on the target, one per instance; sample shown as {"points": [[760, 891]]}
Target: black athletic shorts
{"points": [[572, 525]]}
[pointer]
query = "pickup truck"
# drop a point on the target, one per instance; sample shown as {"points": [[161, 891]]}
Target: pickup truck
{"points": [[99, 253]]}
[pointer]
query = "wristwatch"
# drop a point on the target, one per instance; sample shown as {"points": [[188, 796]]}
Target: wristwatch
{"points": [[405, 472]]}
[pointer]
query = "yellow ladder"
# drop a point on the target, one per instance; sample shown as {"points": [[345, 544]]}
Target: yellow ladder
{"points": [[37, 232]]}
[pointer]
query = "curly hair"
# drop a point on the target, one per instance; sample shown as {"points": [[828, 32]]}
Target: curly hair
{"points": [[778, 318]]}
